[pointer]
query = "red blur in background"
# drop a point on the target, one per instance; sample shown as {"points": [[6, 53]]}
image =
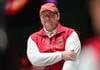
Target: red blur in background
{"points": [[13, 7]]}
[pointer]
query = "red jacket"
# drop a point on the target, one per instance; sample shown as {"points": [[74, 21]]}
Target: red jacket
{"points": [[55, 43]]}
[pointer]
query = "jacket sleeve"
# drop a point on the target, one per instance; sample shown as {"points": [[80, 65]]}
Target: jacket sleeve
{"points": [[72, 43], [41, 59]]}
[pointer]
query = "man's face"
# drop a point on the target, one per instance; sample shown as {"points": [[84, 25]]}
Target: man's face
{"points": [[49, 20]]}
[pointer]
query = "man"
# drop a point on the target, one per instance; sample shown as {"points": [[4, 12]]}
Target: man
{"points": [[54, 47]]}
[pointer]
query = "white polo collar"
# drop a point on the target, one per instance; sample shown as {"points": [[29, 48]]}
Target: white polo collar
{"points": [[50, 34]]}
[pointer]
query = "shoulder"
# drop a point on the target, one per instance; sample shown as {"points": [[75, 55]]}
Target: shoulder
{"points": [[35, 35], [62, 28], [68, 30]]}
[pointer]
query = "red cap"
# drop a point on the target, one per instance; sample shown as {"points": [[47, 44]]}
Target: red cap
{"points": [[49, 6]]}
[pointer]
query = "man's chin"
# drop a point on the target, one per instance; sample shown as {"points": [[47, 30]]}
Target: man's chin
{"points": [[49, 29]]}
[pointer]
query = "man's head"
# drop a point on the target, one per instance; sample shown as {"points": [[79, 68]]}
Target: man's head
{"points": [[49, 16]]}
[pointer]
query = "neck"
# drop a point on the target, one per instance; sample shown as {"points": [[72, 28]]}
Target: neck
{"points": [[49, 30]]}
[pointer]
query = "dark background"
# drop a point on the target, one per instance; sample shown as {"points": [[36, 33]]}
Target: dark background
{"points": [[74, 14]]}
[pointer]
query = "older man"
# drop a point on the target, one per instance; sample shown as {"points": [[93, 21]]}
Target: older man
{"points": [[54, 47]]}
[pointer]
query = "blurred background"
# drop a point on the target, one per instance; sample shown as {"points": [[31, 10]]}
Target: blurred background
{"points": [[20, 18]]}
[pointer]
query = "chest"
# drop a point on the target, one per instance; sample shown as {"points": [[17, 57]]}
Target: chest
{"points": [[56, 43]]}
